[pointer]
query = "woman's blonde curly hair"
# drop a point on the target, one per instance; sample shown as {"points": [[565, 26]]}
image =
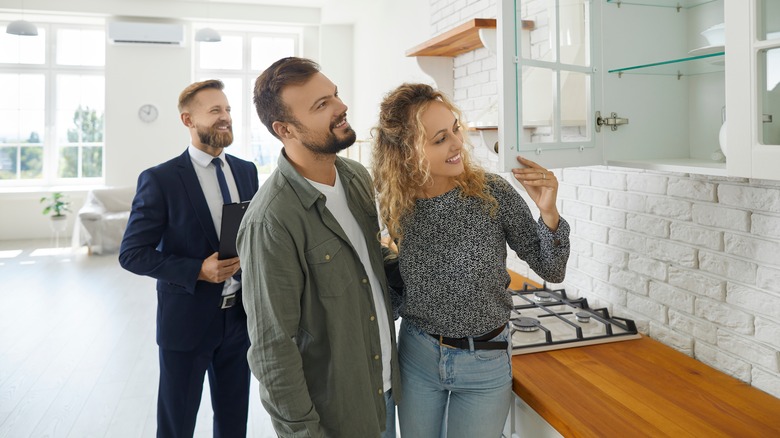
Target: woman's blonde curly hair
{"points": [[399, 166]]}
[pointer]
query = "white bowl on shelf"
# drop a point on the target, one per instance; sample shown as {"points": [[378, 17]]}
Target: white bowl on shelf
{"points": [[715, 35]]}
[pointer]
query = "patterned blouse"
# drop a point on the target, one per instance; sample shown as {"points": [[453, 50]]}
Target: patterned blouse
{"points": [[453, 259]]}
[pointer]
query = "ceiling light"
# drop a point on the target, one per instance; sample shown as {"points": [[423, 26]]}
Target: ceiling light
{"points": [[21, 27], [207, 35]]}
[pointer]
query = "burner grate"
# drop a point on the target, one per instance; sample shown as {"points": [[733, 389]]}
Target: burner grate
{"points": [[546, 319]]}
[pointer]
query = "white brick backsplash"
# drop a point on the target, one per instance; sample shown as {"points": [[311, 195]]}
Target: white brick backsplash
{"points": [[749, 350], [763, 225], [649, 267], [575, 209], [650, 308], [646, 183], [595, 269], [489, 88], [753, 300], [721, 217], [768, 332], [579, 279], [490, 64], [692, 189], [727, 266], [576, 175], [460, 72], [479, 55], [566, 191], [629, 280], [698, 283], [593, 196], [474, 67], [768, 278], [727, 363], [581, 246], [627, 201], [650, 225], [612, 256], [752, 248], [590, 231], [464, 59], [678, 341], [668, 207], [768, 382], [627, 240], [696, 327], [608, 292], [724, 315], [675, 253], [748, 197], [608, 180], [608, 216], [696, 235], [671, 297]]}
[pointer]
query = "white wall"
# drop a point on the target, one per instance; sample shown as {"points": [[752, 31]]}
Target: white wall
{"points": [[360, 46], [136, 75], [692, 259]]}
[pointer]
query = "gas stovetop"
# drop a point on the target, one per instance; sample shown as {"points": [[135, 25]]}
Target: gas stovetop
{"points": [[545, 319]]}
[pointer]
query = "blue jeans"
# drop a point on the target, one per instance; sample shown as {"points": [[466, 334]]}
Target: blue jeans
{"points": [[390, 405], [452, 392]]}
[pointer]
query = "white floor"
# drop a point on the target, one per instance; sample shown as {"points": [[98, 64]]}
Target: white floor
{"points": [[77, 348]]}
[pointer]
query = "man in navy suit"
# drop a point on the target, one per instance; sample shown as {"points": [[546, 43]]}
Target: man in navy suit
{"points": [[173, 235]]}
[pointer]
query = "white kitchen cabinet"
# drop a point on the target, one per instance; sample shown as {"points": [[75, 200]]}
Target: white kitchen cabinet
{"points": [[645, 63], [523, 421]]}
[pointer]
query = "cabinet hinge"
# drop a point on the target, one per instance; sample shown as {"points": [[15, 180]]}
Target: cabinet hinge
{"points": [[612, 121]]}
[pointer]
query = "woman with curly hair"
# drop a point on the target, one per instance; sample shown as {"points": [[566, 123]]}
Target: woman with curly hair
{"points": [[452, 222]]}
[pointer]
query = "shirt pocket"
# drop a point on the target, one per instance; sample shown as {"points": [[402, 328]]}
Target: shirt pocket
{"points": [[330, 267]]}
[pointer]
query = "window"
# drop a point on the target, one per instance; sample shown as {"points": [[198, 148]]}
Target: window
{"points": [[237, 61], [52, 106]]}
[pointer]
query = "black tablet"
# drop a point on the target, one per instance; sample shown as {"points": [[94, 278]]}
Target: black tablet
{"points": [[231, 220]]}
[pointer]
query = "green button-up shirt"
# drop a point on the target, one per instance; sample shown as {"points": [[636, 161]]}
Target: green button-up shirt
{"points": [[314, 335]]}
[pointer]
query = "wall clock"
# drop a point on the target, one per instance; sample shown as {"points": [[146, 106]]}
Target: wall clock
{"points": [[148, 113]]}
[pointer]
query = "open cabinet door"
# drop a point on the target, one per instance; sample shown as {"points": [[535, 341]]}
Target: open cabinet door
{"points": [[547, 82]]}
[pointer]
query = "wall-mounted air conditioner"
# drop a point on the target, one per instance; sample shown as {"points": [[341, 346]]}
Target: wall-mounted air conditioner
{"points": [[131, 32]]}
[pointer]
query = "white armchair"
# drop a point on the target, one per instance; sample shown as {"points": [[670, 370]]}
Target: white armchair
{"points": [[101, 222]]}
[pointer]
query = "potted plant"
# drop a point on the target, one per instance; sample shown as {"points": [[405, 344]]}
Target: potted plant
{"points": [[56, 205]]}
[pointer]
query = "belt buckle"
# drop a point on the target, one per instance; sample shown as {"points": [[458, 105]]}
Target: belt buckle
{"points": [[443, 344], [228, 301]]}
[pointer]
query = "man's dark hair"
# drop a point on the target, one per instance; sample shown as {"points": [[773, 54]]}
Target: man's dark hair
{"points": [[269, 86]]}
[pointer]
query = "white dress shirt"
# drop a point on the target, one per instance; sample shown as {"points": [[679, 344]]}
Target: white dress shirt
{"points": [[207, 176]]}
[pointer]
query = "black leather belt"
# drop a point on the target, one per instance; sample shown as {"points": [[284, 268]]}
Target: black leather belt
{"points": [[229, 301], [480, 342]]}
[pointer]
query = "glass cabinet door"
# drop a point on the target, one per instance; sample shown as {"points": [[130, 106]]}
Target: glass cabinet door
{"points": [[548, 89], [768, 69]]}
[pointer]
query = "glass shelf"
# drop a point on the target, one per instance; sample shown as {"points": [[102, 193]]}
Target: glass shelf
{"points": [[684, 4], [689, 66]]}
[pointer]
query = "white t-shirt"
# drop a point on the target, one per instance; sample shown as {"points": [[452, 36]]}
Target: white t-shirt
{"points": [[336, 203]]}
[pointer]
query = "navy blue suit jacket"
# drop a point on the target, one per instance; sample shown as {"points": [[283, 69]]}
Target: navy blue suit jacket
{"points": [[169, 234]]}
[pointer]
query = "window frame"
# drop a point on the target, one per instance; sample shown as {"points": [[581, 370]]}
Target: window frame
{"points": [[51, 145], [242, 145]]}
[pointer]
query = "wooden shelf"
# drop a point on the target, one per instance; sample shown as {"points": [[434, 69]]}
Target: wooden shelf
{"points": [[461, 39]]}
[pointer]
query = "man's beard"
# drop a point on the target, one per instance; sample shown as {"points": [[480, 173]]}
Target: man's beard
{"points": [[215, 138], [329, 144]]}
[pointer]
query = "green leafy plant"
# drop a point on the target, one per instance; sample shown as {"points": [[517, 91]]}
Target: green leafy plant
{"points": [[57, 204]]}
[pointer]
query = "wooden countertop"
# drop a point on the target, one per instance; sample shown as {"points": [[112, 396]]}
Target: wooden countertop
{"points": [[640, 388]]}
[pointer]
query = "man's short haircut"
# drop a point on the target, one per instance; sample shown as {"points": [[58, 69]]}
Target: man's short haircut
{"points": [[186, 96], [269, 85]]}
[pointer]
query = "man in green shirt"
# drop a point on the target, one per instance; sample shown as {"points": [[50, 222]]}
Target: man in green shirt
{"points": [[315, 292]]}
